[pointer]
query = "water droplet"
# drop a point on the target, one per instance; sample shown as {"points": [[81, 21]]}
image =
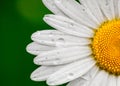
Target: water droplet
{"points": [[52, 40], [57, 59], [51, 34], [70, 75], [71, 24], [83, 9], [60, 42], [61, 39]]}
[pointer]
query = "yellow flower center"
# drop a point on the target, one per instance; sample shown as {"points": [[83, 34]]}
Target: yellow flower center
{"points": [[106, 46]]}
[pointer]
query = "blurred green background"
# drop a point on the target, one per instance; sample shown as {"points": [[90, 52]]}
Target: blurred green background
{"points": [[19, 19]]}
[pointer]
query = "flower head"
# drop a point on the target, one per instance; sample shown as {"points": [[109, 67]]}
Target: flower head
{"points": [[84, 50]]}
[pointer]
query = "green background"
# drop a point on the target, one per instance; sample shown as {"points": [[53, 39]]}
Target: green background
{"points": [[19, 19]]}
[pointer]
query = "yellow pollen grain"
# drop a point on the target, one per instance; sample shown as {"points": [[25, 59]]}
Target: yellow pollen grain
{"points": [[106, 46]]}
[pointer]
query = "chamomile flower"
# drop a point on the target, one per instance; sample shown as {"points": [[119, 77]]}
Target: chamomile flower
{"points": [[84, 50]]}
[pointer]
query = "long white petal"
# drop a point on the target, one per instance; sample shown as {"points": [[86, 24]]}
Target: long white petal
{"points": [[119, 7], [43, 72], [100, 79], [75, 11], [118, 81], [112, 81], [111, 5], [63, 55], [57, 38], [94, 7], [50, 4], [36, 49], [86, 79], [78, 82], [69, 26], [107, 7], [91, 74], [116, 8], [71, 72]]}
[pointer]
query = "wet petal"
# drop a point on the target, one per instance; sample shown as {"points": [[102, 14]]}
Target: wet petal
{"points": [[43, 72], [69, 26], [94, 9], [50, 4], [100, 79], [71, 72], [78, 82], [63, 55], [118, 81], [57, 38], [70, 8], [36, 48], [112, 81]]}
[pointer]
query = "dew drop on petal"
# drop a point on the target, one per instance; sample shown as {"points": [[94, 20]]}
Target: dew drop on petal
{"points": [[51, 34], [70, 75], [60, 42]]}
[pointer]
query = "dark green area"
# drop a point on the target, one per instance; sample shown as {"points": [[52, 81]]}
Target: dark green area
{"points": [[19, 19]]}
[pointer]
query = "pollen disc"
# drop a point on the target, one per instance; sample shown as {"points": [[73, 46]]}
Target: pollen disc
{"points": [[106, 46]]}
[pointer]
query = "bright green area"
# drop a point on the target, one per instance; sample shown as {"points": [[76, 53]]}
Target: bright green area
{"points": [[19, 19]]}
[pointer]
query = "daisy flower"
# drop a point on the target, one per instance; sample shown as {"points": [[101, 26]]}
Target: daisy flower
{"points": [[84, 50]]}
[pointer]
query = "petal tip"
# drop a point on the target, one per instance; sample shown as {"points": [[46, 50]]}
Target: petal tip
{"points": [[50, 82], [35, 35], [36, 61], [33, 77], [29, 48], [46, 17]]}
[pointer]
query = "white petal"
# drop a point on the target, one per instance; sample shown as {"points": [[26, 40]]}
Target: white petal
{"points": [[91, 74], [75, 11], [112, 7], [118, 81], [100, 79], [107, 7], [67, 25], [71, 72], [116, 8], [94, 7], [42, 73], [78, 82], [85, 79], [57, 38], [63, 55], [50, 4], [119, 8], [35, 48], [112, 81]]}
